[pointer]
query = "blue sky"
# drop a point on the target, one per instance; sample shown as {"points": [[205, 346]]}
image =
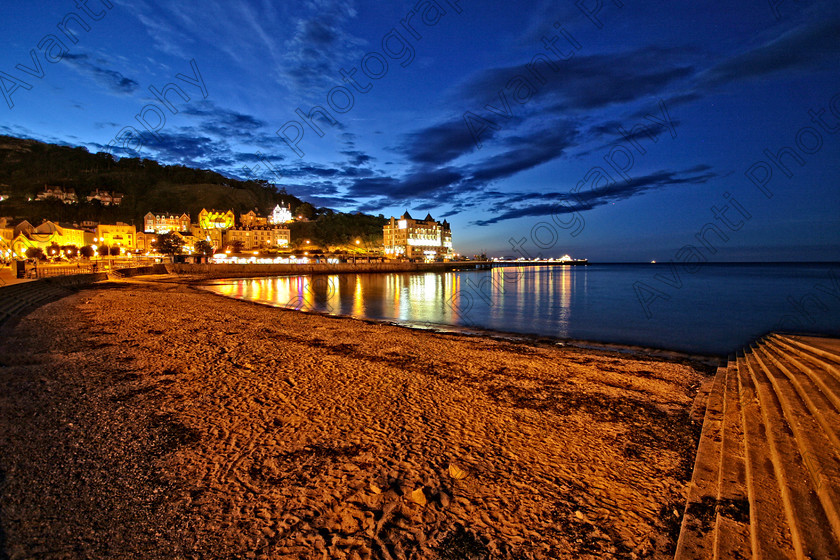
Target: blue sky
{"points": [[647, 131]]}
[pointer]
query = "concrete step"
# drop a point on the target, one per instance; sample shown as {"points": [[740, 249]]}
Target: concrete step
{"points": [[697, 533], [814, 347], [816, 367], [773, 424], [13, 306], [770, 532], [829, 345], [701, 401], [818, 394], [813, 428], [785, 420], [732, 520]]}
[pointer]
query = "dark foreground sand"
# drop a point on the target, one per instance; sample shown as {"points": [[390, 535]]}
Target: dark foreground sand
{"points": [[153, 420]]}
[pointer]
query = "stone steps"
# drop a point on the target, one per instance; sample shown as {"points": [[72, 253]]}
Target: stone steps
{"points": [[766, 481], [19, 299]]}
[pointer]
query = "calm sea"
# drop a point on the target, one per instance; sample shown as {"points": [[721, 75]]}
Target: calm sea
{"points": [[714, 309]]}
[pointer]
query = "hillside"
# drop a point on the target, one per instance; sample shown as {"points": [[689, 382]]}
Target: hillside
{"points": [[26, 166]]}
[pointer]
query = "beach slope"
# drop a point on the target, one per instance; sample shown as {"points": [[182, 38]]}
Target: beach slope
{"points": [[144, 419]]}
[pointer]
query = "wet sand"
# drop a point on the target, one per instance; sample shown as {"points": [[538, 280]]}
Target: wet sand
{"points": [[146, 419]]}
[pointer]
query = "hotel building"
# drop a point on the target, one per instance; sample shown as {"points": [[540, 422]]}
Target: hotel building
{"points": [[281, 215], [164, 223], [258, 237], [119, 235], [67, 196], [212, 219], [413, 239], [105, 197], [252, 219], [25, 235]]}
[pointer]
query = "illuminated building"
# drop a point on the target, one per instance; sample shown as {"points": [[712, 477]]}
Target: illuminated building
{"points": [[252, 219], [67, 196], [281, 215], [6, 238], [215, 220], [258, 237], [213, 236], [119, 235], [164, 223], [48, 233], [105, 197], [417, 239], [143, 241]]}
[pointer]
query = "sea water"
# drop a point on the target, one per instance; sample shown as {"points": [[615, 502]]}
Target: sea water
{"points": [[710, 309]]}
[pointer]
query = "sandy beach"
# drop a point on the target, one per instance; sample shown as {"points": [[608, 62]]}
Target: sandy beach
{"points": [[150, 419]]}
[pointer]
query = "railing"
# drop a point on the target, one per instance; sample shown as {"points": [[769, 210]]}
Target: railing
{"points": [[101, 265], [49, 271]]}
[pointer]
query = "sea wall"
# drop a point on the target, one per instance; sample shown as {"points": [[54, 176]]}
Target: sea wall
{"points": [[141, 270]]}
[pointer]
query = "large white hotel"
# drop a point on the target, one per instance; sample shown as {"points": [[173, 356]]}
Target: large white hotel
{"points": [[424, 239]]}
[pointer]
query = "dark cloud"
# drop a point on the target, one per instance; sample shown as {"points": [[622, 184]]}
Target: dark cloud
{"points": [[112, 79], [585, 82], [808, 46], [538, 204], [440, 143], [224, 119], [525, 152], [357, 157], [431, 184]]}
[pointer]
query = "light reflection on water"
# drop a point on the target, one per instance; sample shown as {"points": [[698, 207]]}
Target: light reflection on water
{"points": [[716, 310]]}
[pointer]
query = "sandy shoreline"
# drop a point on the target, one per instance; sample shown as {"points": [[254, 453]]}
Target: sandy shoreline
{"points": [[167, 422]]}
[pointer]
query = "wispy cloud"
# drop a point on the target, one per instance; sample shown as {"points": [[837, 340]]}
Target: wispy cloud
{"points": [[113, 80], [320, 44], [532, 204], [808, 46]]}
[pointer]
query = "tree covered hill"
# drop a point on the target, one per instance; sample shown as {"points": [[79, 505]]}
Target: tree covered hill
{"points": [[26, 166]]}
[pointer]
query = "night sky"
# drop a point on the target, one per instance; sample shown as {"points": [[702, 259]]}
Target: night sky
{"points": [[616, 131]]}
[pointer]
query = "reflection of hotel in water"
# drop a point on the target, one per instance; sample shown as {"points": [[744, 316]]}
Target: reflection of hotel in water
{"points": [[416, 298], [497, 299]]}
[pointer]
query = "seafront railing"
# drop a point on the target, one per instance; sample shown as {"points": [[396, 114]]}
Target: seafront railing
{"points": [[91, 267]]}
